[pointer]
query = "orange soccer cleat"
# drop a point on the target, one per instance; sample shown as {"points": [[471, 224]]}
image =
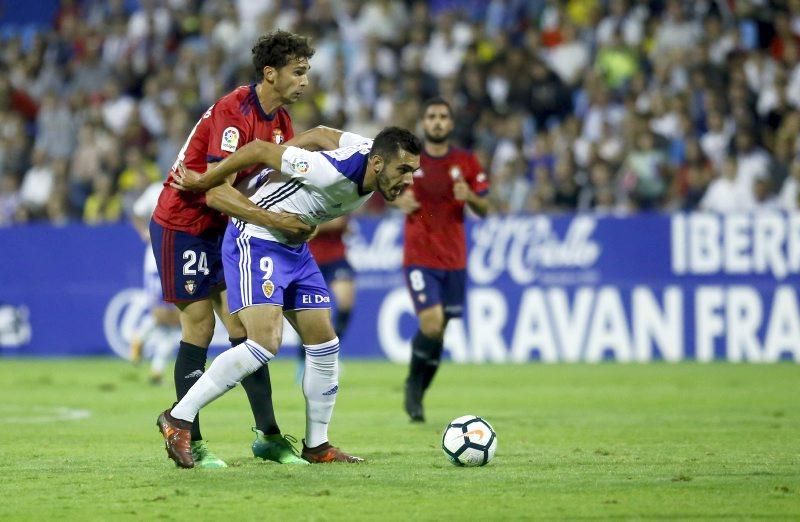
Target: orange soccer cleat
{"points": [[327, 453], [177, 439]]}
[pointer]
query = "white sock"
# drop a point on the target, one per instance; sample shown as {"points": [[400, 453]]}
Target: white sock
{"points": [[320, 384], [164, 339], [227, 370]]}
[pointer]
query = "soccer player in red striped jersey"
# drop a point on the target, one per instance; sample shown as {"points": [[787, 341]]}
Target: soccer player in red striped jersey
{"points": [[435, 251], [187, 228]]}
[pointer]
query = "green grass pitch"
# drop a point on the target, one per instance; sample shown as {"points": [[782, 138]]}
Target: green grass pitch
{"points": [[658, 441]]}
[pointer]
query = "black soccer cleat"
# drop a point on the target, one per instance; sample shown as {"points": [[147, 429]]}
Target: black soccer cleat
{"points": [[413, 402]]}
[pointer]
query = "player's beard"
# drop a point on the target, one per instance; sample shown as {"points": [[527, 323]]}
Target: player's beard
{"points": [[437, 139], [384, 186]]}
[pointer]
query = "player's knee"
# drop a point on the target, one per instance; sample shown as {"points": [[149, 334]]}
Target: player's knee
{"points": [[271, 343], [202, 330], [432, 329]]}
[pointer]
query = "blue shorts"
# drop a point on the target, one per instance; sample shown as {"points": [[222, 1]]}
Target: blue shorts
{"points": [[259, 271], [337, 271], [430, 287], [190, 266]]}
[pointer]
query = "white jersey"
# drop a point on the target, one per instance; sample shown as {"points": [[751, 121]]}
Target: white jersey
{"points": [[317, 186]]}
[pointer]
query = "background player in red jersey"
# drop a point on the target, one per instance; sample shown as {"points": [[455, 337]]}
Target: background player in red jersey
{"points": [[434, 251], [187, 228]]}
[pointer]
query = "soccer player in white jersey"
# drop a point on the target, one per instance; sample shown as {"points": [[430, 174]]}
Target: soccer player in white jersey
{"points": [[263, 267], [161, 331]]}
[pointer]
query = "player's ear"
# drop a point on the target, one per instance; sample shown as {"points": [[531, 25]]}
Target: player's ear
{"points": [[269, 73], [377, 164]]}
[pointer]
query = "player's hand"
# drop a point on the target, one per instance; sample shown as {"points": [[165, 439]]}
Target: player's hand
{"points": [[461, 190], [188, 180], [292, 227], [406, 202]]}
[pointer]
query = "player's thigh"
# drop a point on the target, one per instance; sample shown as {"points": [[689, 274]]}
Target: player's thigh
{"points": [[307, 302], [313, 325], [264, 325], [344, 292], [197, 322], [233, 325], [426, 286], [190, 266], [454, 284]]}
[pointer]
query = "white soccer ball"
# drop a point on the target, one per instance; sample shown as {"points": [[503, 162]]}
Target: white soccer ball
{"points": [[469, 441]]}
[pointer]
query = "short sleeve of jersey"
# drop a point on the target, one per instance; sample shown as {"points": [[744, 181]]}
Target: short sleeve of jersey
{"points": [[478, 180], [312, 166], [227, 133], [349, 139]]}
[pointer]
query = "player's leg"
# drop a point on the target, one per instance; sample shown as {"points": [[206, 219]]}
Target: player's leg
{"points": [[307, 304], [190, 268], [343, 287], [344, 291], [434, 326], [257, 385], [224, 373], [269, 444], [320, 382], [425, 286], [152, 290], [163, 338], [183, 435]]}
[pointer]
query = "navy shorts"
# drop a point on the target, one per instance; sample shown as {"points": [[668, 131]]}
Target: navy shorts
{"points": [[264, 272], [431, 287], [190, 266], [337, 271]]}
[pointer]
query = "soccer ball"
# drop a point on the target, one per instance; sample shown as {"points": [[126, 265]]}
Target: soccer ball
{"points": [[469, 441]]}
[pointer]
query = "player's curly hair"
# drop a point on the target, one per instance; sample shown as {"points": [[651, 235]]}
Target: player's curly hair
{"points": [[277, 48], [391, 140]]}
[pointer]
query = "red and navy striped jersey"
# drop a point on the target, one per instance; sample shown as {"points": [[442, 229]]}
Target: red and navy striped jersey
{"points": [[233, 121]]}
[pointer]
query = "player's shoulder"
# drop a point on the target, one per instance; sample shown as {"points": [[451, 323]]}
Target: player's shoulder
{"points": [[237, 100], [460, 153]]}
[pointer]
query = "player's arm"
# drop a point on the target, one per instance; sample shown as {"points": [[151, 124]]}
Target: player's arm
{"points": [[318, 138], [233, 203], [257, 152], [339, 223], [254, 153], [478, 204], [406, 202], [474, 193]]}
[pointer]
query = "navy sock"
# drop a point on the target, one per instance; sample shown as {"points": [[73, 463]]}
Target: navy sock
{"points": [[258, 388], [340, 322], [425, 356], [189, 367]]}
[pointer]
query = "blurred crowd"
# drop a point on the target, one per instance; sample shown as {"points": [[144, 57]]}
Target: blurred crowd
{"points": [[614, 106]]}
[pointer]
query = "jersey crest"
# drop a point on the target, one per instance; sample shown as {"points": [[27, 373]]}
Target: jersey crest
{"points": [[230, 139], [277, 136]]}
